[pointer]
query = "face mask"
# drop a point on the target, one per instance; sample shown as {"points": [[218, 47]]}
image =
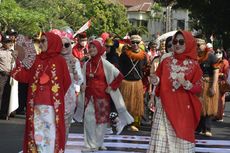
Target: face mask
{"points": [[83, 43], [219, 55]]}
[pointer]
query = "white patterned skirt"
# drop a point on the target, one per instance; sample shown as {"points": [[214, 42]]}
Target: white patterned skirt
{"points": [[163, 137], [44, 128]]}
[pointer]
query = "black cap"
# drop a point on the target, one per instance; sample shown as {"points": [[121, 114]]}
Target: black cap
{"points": [[6, 39], [11, 32]]}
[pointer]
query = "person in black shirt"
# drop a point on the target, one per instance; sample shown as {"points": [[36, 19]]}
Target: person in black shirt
{"points": [[210, 94], [132, 63]]}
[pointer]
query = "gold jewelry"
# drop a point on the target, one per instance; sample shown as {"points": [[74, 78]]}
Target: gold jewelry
{"points": [[92, 74]]}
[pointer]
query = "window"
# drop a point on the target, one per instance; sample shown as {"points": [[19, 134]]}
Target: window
{"points": [[181, 24]]}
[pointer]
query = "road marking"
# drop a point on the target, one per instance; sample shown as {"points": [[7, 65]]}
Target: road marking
{"points": [[138, 144]]}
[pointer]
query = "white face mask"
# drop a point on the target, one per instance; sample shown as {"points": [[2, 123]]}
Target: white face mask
{"points": [[83, 43], [219, 55]]}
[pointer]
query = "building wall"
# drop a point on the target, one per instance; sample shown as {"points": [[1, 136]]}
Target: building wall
{"points": [[180, 17], [171, 20]]}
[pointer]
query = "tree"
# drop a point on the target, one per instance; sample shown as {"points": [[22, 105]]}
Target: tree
{"points": [[209, 15], [13, 16], [107, 17], [62, 13], [157, 11]]}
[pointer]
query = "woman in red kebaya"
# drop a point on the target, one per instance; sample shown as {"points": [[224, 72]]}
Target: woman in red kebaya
{"points": [[101, 82], [178, 80], [48, 81], [223, 86]]}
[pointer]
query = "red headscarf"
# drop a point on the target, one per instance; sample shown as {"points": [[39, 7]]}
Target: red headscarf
{"points": [[182, 107], [100, 50], [58, 73], [54, 45], [190, 46]]}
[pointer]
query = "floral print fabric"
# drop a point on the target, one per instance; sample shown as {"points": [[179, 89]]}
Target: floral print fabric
{"points": [[44, 128]]}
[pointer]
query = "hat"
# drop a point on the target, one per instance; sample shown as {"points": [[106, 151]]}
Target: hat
{"points": [[6, 39], [105, 36], [135, 38], [109, 42], [11, 32]]}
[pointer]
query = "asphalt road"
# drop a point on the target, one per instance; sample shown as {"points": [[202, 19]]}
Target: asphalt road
{"points": [[11, 131]]}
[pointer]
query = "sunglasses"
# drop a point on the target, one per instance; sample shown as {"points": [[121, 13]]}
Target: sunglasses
{"points": [[180, 41], [135, 42], [66, 45], [218, 52]]}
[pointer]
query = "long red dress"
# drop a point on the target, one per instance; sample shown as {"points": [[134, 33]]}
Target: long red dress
{"points": [[182, 107], [58, 83]]}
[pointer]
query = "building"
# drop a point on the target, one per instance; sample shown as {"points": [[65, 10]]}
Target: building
{"points": [[143, 13]]}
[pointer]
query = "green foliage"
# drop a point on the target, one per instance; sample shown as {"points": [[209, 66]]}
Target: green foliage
{"points": [[31, 16], [13, 16], [56, 16], [107, 17], [157, 11]]}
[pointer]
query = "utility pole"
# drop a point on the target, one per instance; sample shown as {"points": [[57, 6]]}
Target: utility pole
{"points": [[168, 18]]}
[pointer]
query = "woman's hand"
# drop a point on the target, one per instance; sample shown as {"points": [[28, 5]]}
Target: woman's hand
{"points": [[212, 91], [83, 88], [108, 89], [151, 103], [154, 79]]}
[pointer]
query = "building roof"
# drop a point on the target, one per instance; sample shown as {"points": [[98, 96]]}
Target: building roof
{"points": [[145, 7], [131, 3]]}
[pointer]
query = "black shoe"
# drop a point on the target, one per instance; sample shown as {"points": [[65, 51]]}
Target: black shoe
{"points": [[12, 114]]}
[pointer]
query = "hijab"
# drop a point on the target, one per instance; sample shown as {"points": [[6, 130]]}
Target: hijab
{"points": [[67, 55], [69, 58], [190, 46], [100, 50], [54, 46], [182, 107]]}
